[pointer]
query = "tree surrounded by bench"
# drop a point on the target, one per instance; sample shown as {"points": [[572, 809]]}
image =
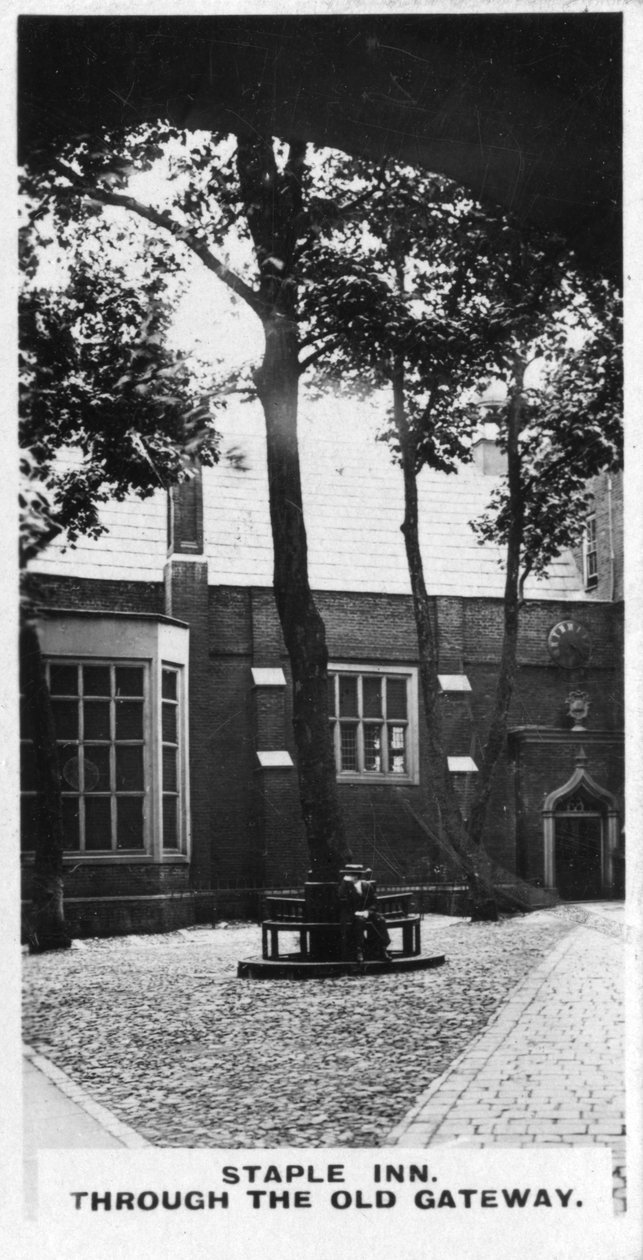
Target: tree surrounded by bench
{"points": [[343, 937]]}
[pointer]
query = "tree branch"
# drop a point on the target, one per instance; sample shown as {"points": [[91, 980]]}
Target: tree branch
{"points": [[521, 583], [315, 355], [164, 220]]}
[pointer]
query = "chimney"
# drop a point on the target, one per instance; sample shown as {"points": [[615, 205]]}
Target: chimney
{"points": [[487, 456]]}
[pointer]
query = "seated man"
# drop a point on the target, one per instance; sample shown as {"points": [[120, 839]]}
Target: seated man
{"points": [[365, 929]]}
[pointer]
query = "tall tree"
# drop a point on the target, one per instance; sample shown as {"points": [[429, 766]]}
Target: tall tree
{"points": [[558, 435], [248, 193], [439, 296]]}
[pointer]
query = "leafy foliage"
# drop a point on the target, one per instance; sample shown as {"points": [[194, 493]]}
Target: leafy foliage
{"points": [[106, 406], [418, 279], [571, 431], [383, 267]]}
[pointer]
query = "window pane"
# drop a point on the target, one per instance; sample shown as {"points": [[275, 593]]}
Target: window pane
{"points": [[372, 697], [348, 747], [129, 768], [372, 748], [71, 807], [168, 722], [69, 763], [63, 680], [129, 719], [347, 695], [97, 775], [129, 680], [98, 824], [27, 768], [96, 714], [129, 813], [396, 698], [65, 718], [28, 823], [96, 680], [168, 684], [397, 749], [170, 822], [169, 770]]}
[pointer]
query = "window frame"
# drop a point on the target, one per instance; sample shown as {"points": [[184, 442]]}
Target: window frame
{"points": [[112, 742], [590, 553], [178, 703], [388, 776], [156, 643]]}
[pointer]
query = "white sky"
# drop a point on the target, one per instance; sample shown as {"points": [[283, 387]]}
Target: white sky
{"points": [[211, 323]]}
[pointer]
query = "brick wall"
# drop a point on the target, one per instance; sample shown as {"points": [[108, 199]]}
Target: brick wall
{"points": [[110, 899], [545, 761], [372, 628], [119, 879], [186, 598], [121, 917], [246, 824], [235, 836], [68, 592]]}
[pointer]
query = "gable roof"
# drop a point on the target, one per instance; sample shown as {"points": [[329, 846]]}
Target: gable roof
{"points": [[353, 505]]}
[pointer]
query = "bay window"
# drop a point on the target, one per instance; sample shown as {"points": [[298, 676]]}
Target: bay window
{"points": [[121, 734]]}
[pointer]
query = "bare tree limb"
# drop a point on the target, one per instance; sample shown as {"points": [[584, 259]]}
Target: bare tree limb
{"points": [[163, 219]]}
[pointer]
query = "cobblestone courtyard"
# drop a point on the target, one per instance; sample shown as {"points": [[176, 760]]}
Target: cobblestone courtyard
{"points": [[492, 1047]]}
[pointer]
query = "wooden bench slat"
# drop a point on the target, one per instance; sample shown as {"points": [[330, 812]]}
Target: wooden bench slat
{"points": [[286, 925], [271, 928]]}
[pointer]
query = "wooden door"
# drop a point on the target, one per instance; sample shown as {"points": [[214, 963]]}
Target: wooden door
{"points": [[578, 856]]}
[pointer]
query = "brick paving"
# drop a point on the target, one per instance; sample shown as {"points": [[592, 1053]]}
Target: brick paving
{"points": [[548, 1069], [517, 1041]]}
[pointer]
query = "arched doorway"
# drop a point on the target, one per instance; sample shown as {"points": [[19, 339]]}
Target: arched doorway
{"points": [[580, 829]]}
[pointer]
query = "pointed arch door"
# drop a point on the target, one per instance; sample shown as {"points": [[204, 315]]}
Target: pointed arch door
{"points": [[580, 831]]}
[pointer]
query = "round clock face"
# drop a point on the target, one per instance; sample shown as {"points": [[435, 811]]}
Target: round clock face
{"points": [[569, 644]]}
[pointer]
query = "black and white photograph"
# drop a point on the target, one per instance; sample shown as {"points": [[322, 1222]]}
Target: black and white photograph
{"points": [[323, 936]]}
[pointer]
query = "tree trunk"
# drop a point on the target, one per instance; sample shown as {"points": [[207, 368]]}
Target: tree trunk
{"points": [[48, 927], [497, 734], [473, 859], [301, 623], [275, 212]]}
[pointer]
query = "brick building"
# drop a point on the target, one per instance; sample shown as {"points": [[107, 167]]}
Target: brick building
{"points": [[170, 685]]}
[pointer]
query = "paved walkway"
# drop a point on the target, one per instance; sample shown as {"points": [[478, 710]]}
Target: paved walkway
{"points": [[58, 1115], [548, 1069]]}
